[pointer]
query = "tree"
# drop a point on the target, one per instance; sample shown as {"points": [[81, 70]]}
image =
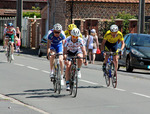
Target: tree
{"points": [[126, 17]]}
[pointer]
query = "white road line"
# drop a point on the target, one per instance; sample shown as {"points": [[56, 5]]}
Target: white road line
{"points": [[45, 71], [141, 95], [32, 68], [88, 82], [19, 64], [119, 89], [20, 103]]}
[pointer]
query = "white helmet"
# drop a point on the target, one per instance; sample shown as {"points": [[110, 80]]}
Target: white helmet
{"points": [[114, 28], [75, 32], [57, 26]]}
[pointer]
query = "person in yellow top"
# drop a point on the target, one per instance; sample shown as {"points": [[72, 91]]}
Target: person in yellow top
{"points": [[110, 41], [70, 27]]}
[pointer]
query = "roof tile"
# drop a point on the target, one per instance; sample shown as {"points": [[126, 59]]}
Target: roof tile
{"points": [[119, 1]]}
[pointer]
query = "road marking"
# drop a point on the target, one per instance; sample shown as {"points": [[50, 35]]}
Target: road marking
{"points": [[19, 64], [45, 71], [141, 95], [23, 104], [89, 82], [32, 68], [119, 89]]}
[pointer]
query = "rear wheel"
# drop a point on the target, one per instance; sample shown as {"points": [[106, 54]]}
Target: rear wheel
{"points": [[128, 65]]}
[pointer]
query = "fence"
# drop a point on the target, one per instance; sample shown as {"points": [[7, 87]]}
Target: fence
{"points": [[6, 20]]}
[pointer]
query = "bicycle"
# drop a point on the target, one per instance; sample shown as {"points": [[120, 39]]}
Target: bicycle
{"points": [[57, 74], [110, 71], [73, 75], [9, 53]]}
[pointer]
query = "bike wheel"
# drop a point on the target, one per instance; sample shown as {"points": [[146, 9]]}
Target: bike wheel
{"points": [[107, 79], [58, 79], [72, 73], [106, 75], [55, 80], [75, 85], [114, 76]]}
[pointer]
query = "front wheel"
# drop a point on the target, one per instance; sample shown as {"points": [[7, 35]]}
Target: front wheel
{"points": [[114, 75], [75, 86], [58, 79], [128, 65]]}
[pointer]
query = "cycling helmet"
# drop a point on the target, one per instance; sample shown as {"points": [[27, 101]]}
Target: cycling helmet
{"points": [[71, 26], [75, 32], [10, 24], [57, 26], [114, 28]]}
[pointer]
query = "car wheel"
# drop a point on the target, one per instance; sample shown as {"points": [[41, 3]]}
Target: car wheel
{"points": [[40, 53], [128, 65], [118, 67]]}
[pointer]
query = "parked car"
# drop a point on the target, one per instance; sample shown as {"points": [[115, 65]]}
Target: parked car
{"points": [[136, 53], [43, 46]]}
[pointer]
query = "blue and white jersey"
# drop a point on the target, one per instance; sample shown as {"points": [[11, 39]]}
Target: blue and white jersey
{"points": [[56, 40]]}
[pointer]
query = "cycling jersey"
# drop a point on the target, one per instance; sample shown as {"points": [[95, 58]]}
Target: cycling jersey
{"points": [[74, 47], [56, 42], [112, 43], [108, 37], [67, 34], [10, 33]]}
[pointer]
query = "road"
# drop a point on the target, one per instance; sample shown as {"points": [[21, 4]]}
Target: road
{"points": [[26, 81]]}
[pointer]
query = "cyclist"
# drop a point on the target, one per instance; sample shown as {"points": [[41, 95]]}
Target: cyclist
{"points": [[55, 42], [111, 40], [74, 45], [70, 27], [10, 33]]}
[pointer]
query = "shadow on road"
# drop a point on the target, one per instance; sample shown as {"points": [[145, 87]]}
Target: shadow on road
{"points": [[48, 93]]}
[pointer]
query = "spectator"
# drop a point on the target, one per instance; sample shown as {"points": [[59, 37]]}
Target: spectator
{"points": [[85, 38], [4, 42], [92, 45], [18, 39]]}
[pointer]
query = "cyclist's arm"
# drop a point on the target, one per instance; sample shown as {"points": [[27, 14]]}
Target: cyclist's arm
{"points": [[84, 54], [48, 46], [102, 45], [123, 44]]}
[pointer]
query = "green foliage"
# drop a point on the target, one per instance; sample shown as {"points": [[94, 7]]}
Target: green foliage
{"points": [[126, 17], [31, 14]]}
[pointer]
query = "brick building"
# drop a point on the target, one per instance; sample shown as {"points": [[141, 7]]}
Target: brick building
{"points": [[91, 13], [8, 7]]}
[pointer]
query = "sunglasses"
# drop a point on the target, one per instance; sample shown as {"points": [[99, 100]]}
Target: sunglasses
{"points": [[75, 37], [57, 32]]}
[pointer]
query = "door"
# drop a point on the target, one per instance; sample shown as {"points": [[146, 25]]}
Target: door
{"points": [[91, 24]]}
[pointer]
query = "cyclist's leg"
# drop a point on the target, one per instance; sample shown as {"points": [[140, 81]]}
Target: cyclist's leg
{"points": [[52, 57], [115, 60], [80, 61], [60, 51], [68, 64]]}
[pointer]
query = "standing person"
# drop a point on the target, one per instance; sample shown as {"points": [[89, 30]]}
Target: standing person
{"points": [[4, 42], [18, 39], [85, 37], [10, 33], [55, 43], [74, 47], [92, 45]]}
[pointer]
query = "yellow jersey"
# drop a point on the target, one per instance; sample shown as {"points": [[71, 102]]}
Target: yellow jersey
{"points": [[67, 34], [108, 37]]}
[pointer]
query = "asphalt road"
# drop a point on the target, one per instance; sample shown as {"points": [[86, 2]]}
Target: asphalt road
{"points": [[26, 88]]}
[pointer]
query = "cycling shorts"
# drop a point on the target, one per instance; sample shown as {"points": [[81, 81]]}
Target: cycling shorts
{"points": [[10, 36], [111, 47], [57, 48]]}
